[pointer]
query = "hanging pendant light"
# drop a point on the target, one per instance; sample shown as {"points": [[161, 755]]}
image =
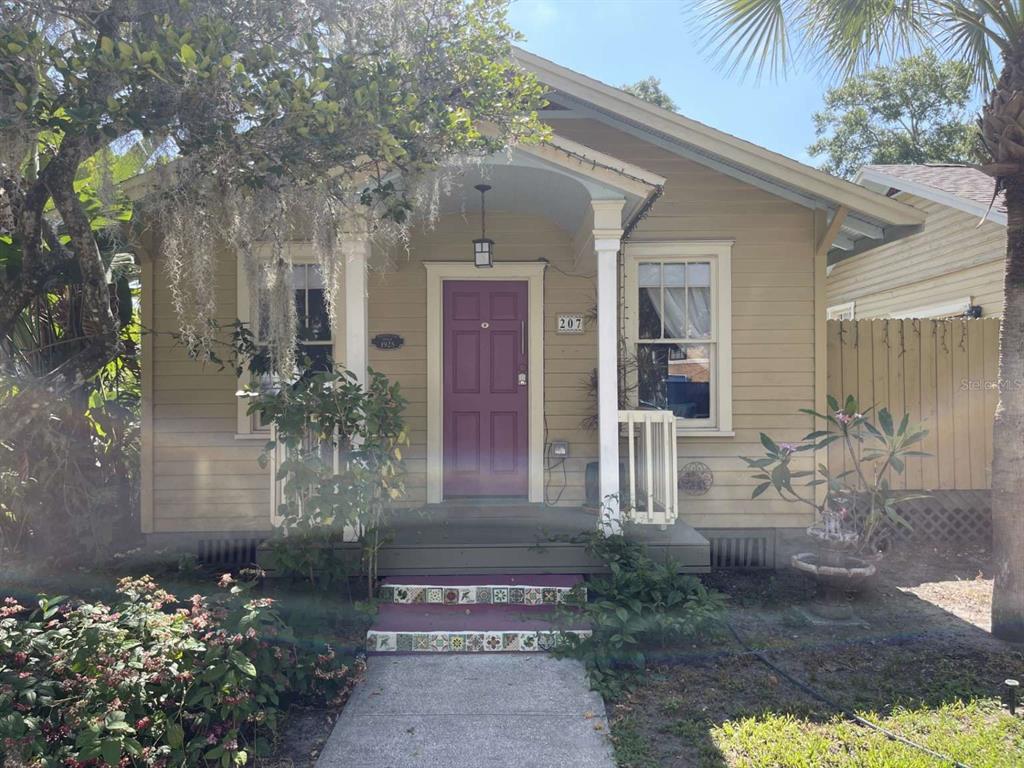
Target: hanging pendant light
{"points": [[483, 248]]}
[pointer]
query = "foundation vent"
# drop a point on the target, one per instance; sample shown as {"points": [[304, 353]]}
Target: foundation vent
{"points": [[741, 549], [237, 553]]}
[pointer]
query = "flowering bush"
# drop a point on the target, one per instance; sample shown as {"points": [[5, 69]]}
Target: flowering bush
{"points": [[858, 500], [150, 681]]}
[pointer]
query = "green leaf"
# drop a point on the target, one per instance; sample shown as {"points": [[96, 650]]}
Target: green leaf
{"points": [[110, 749], [175, 735], [885, 419], [760, 489], [768, 443], [188, 55]]}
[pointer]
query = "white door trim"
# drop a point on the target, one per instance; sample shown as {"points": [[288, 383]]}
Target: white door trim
{"points": [[532, 272]]}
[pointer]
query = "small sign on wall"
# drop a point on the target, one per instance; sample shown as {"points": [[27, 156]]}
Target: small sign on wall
{"points": [[570, 324]]}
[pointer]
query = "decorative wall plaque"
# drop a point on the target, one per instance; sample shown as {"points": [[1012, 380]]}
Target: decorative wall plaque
{"points": [[696, 478], [387, 341]]}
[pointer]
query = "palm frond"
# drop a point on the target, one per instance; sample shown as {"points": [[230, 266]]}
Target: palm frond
{"points": [[974, 32], [746, 35], [848, 37]]}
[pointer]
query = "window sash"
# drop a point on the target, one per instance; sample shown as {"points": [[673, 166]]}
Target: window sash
{"points": [[712, 288], [718, 255], [698, 422], [305, 269]]}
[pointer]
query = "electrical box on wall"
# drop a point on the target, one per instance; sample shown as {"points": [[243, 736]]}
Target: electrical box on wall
{"points": [[560, 448]]}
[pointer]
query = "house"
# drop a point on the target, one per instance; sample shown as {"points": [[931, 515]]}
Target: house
{"points": [[705, 254], [952, 267]]}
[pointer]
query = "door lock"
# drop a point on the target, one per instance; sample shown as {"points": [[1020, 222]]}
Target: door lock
{"points": [[522, 379]]}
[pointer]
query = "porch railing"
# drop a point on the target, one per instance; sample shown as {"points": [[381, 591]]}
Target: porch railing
{"points": [[329, 454], [651, 495]]}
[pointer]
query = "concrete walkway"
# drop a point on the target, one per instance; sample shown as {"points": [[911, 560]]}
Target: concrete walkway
{"points": [[471, 711]]}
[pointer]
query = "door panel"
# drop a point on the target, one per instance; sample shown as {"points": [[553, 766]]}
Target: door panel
{"points": [[485, 398]]}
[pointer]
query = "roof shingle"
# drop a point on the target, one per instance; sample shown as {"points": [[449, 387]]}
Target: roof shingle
{"points": [[960, 180]]}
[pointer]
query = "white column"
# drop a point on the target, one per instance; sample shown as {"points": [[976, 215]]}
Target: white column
{"points": [[607, 249], [357, 254]]}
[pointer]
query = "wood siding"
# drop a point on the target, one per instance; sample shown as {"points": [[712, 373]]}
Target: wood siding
{"points": [[952, 257], [942, 372], [773, 306], [205, 479]]}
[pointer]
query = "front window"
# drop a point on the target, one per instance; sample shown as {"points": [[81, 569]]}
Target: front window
{"points": [[676, 348], [314, 336]]}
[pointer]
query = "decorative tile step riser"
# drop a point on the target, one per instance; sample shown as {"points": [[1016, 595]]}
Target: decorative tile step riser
{"points": [[487, 594], [467, 642]]}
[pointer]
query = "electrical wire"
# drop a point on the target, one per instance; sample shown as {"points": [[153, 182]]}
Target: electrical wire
{"points": [[848, 714], [549, 467]]}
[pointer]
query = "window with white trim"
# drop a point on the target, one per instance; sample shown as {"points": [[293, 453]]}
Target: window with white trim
{"points": [[679, 313], [315, 339], [841, 311]]}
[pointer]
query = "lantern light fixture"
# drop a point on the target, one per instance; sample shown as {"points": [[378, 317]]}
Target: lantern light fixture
{"points": [[483, 248]]}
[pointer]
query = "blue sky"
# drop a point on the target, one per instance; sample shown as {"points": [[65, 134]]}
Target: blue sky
{"points": [[621, 41]]}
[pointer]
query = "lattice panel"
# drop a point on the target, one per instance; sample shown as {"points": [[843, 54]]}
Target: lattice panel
{"points": [[947, 517]]}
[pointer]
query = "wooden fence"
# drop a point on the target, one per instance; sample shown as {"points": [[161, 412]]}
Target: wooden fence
{"points": [[943, 372]]}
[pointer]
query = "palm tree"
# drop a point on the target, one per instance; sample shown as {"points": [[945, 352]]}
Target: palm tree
{"points": [[842, 37]]}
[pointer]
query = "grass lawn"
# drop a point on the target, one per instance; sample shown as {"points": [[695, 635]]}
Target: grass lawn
{"points": [[914, 667]]}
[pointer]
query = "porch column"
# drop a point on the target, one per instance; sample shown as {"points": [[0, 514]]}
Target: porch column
{"points": [[607, 241], [357, 253]]}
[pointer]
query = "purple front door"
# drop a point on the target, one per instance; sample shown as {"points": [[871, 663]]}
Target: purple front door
{"points": [[485, 370]]}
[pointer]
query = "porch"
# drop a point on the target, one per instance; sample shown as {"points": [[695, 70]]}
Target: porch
{"points": [[495, 536]]}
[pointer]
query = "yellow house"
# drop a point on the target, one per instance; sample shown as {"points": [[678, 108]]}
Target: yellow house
{"points": [[637, 245], [952, 267]]}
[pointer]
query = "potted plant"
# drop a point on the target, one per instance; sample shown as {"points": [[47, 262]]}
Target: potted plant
{"points": [[858, 503]]}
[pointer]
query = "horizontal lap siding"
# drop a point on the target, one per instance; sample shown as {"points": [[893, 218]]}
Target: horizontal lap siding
{"points": [[204, 479], [773, 316], [398, 304], [951, 258]]}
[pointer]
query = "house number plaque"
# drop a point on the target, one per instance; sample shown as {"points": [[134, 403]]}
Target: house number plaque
{"points": [[387, 341], [570, 324]]}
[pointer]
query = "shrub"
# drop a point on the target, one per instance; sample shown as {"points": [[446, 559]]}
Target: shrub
{"points": [[151, 682], [860, 501], [640, 606], [342, 465]]}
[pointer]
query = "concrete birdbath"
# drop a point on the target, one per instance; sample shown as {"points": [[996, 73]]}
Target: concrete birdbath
{"points": [[837, 571]]}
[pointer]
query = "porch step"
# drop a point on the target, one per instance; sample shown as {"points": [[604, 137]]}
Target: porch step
{"points": [[484, 589], [407, 628], [476, 613]]}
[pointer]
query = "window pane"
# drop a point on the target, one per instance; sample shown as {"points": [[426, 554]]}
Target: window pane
{"points": [[675, 377], [649, 275], [318, 324], [650, 313], [699, 308], [299, 277], [315, 357], [698, 274], [675, 275]]}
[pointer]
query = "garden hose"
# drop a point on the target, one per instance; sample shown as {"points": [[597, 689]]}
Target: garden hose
{"points": [[853, 716]]}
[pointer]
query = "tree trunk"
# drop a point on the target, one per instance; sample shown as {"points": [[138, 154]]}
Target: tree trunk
{"points": [[1008, 434]]}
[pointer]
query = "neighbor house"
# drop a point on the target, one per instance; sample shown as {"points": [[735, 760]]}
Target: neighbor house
{"points": [[953, 267], [635, 234]]}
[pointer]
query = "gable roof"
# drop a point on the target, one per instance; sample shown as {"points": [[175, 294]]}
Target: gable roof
{"points": [[958, 186], [871, 218]]}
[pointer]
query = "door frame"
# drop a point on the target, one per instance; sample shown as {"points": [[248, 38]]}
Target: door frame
{"points": [[530, 272]]}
